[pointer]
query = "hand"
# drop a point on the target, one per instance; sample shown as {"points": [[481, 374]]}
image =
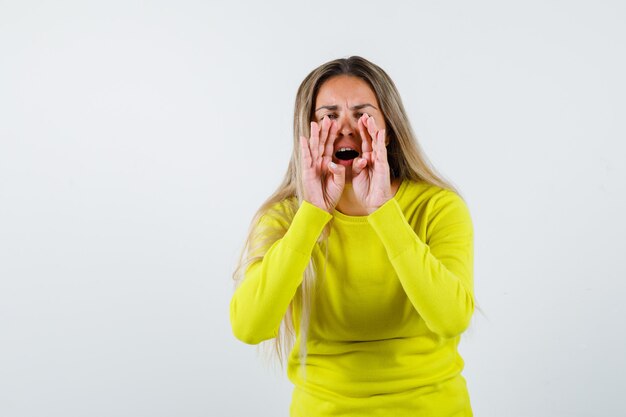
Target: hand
{"points": [[323, 181], [371, 180]]}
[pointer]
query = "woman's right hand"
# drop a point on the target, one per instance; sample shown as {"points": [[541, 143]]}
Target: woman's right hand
{"points": [[322, 179]]}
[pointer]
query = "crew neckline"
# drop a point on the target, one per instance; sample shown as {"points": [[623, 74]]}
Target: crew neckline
{"points": [[363, 219]]}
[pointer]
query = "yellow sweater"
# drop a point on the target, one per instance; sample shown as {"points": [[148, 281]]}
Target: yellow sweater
{"points": [[394, 294]]}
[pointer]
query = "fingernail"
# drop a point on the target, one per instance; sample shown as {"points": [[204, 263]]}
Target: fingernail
{"points": [[333, 165]]}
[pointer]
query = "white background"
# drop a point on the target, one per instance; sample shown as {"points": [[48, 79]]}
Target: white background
{"points": [[137, 140]]}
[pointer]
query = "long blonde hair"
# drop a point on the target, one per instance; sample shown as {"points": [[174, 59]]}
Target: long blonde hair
{"points": [[406, 161]]}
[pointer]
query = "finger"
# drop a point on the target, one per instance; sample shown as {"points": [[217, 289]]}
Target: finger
{"points": [[323, 135], [339, 173], [305, 152], [371, 127], [381, 149], [314, 142], [358, 165], [366, 141], [330, 142]]}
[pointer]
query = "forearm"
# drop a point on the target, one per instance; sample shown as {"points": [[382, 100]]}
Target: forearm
{"points": [[438, 285], [261, 301]]}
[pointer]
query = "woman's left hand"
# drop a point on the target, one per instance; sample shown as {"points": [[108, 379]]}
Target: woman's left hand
{"points": [[371, 180]]}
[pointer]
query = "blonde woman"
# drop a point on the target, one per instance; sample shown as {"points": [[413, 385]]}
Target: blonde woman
{"points": [[359, 267]]}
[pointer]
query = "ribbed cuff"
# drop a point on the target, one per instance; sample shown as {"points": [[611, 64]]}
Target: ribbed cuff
{"points": [[306, 227], [392, 228]]}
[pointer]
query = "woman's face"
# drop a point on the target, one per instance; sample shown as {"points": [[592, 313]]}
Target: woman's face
{"points": [[344, 99]]}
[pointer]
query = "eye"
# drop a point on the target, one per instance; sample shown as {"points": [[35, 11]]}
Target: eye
{"points": [[331, 116]]}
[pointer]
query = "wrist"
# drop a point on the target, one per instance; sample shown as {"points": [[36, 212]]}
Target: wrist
{"points": [[378, 205], [319, 205]]}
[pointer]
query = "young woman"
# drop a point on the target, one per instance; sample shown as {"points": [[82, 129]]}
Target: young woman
{"points": [[363, 255]]}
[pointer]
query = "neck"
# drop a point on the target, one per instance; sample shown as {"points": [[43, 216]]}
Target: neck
{"points": [[348, 203]]}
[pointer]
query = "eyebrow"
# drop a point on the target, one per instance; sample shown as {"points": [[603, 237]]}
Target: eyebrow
{"points": [[356, 107]]}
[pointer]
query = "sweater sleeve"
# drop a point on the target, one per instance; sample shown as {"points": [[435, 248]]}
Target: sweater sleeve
{"points": [[261, 301], [437, 275]]}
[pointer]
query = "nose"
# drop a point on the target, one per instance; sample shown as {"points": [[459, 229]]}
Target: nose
{"points": [[346, 126]]}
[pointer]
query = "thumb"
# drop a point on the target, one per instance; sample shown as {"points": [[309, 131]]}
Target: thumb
{"points": [[339, 173], [358, 164]]}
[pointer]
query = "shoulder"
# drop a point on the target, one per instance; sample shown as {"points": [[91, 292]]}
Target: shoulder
{"points": [[278, 214], [435, 205], [418, 192]]}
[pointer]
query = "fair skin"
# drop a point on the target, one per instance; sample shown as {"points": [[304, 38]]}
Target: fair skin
{"points": [[347, 117]]}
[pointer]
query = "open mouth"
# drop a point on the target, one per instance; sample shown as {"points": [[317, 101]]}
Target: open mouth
{"points": [[346, 154]]}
